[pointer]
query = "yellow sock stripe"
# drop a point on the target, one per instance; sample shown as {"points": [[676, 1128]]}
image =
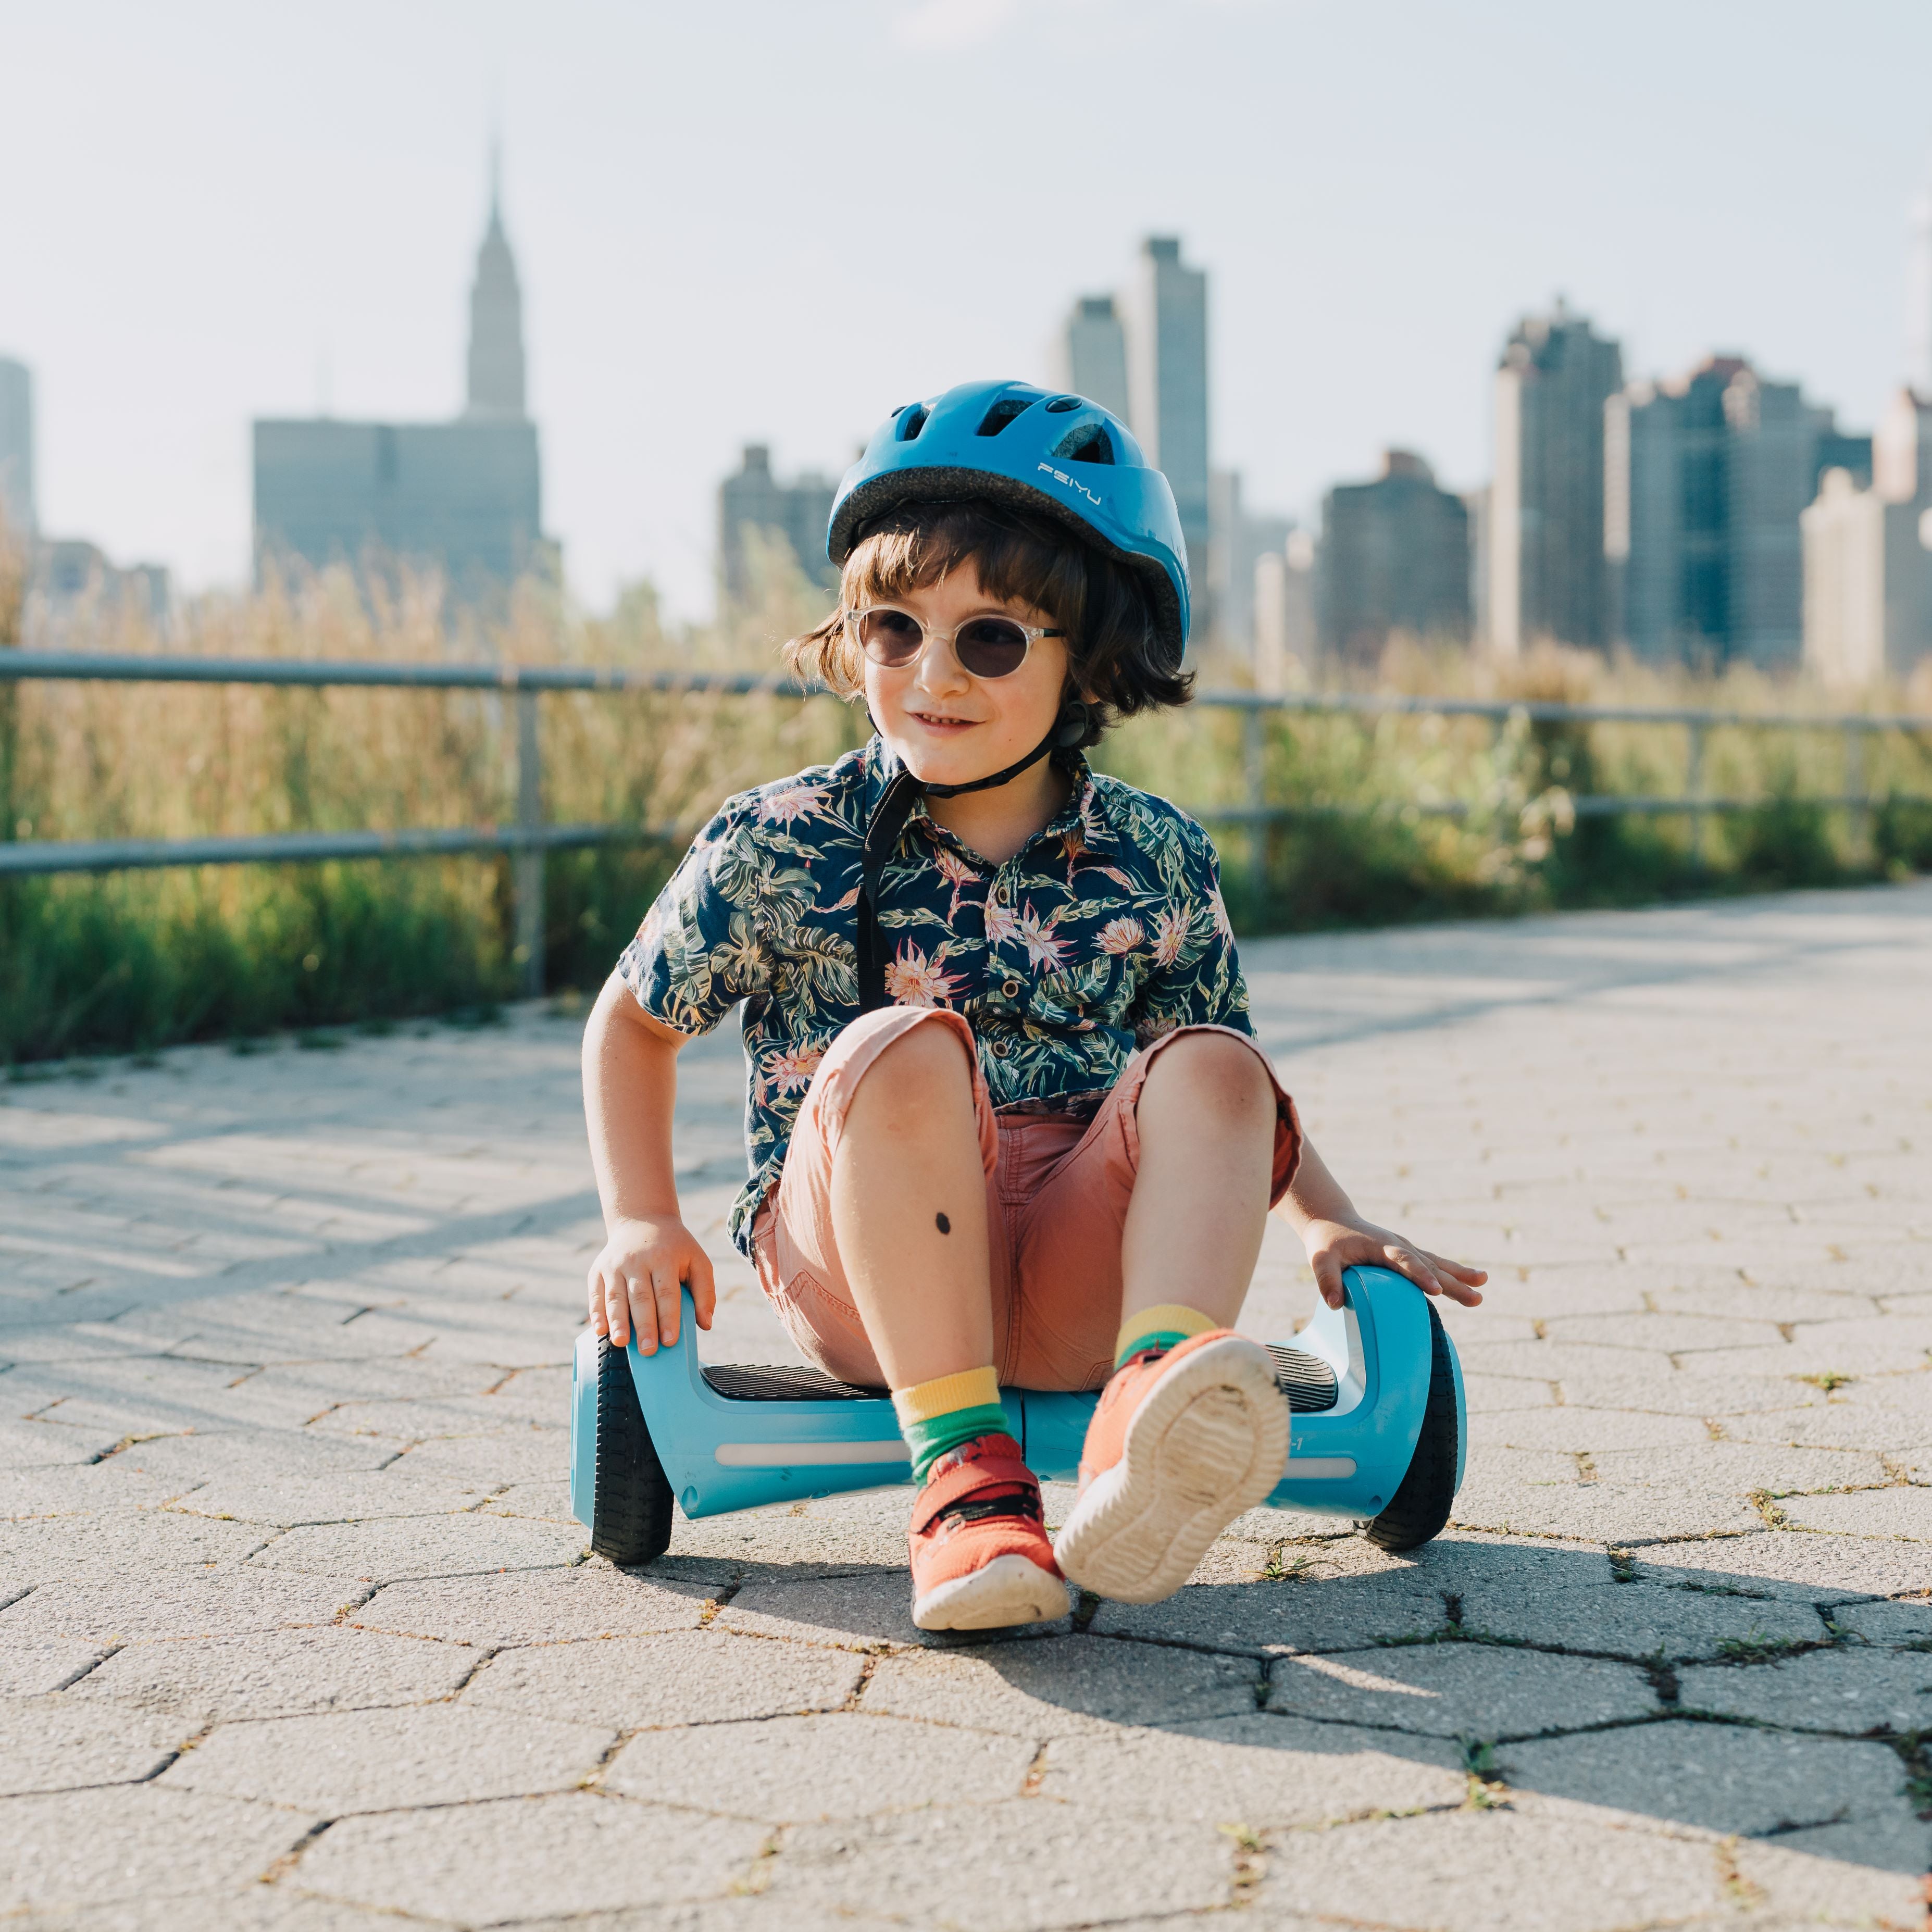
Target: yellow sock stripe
{"points": [[970, 1388], [1170, 1318]]}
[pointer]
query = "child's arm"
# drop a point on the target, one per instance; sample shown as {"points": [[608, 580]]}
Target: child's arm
{"points": [[630, 1090], [1336, 1237]]}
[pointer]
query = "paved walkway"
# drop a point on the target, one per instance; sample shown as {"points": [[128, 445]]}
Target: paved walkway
{"points": [[298, 1632]]}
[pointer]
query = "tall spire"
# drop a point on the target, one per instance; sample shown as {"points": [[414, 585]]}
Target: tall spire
{"points": [[496, 313]]}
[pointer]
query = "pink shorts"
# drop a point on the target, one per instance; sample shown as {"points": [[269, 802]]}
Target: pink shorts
{"points": [[1058, 1187]]}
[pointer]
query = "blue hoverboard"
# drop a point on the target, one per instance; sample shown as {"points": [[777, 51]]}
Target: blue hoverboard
{"points": [[1374, 1389]]}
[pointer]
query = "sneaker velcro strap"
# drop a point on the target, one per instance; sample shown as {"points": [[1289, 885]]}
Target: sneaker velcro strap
{"points": [[959, 1483], [976, 1509]]}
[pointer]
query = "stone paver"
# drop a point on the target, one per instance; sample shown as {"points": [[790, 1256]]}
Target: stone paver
{"points": [[48, 1743], [281, 1674], [138, 1843], [1460, 1690], [1060, 1685], [683, 1677], [1260, 1771], [296, 1632], [1853, 1691], [376, 1760], [836, 1765], [1493, 1871], [1722, 1777], [535, 1606], [485, 1863]]}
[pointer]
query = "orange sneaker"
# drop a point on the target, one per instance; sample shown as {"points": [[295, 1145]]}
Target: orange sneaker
{"points": [[980, 1556], [1182, 1440]]}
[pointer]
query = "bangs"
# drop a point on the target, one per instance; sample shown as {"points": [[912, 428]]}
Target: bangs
{"points": [[913, 549]]}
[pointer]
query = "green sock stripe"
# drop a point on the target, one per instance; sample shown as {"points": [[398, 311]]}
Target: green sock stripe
{"points": [[931, 1439], [1158, 1338]]}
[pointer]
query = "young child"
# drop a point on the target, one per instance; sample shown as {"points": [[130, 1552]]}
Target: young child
{"points": [[1007, 1122]]}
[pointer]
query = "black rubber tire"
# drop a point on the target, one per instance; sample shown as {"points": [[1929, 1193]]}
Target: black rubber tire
{"points": [[1421, 1507], [632, 1512]]}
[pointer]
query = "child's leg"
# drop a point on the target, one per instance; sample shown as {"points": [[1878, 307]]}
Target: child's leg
{"points": [[1207, 1117], [1191, 1429], [909, 1213], [909, 1210]]}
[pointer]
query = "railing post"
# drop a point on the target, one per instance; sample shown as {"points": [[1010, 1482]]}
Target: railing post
{"points": [[1254, 758], [1857, 817], [527, 863], [1694, 789]]}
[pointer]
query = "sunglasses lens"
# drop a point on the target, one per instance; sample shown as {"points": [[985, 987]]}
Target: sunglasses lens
{"points": [[890, 636], [991, 647]]}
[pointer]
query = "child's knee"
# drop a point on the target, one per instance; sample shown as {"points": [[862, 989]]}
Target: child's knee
{"points": [[928, 1064], [1215, 1070]]}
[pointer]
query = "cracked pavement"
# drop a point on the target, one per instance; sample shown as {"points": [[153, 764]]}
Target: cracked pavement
{"points": [[296, 1630]]}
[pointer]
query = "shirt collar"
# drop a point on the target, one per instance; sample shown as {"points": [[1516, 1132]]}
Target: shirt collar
{"points": [[1087, 819]]}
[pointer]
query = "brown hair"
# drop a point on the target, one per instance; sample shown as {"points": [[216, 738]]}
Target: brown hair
{"points": [[1115, 660]]}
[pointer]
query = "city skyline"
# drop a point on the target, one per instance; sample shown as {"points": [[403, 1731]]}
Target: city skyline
{"points": [[683, 302]]}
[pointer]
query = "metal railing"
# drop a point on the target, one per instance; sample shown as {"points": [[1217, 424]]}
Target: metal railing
{"points": [[526, 838]]}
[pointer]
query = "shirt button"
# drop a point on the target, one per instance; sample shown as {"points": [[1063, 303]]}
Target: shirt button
{"points": [[1011, 989], [1003, 895]]}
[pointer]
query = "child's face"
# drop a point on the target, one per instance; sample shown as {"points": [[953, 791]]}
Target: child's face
{"points": [[948, 726]]}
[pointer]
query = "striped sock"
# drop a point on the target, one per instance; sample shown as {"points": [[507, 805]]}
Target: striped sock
{"points": [[1166, 1325], [940, 1415]]}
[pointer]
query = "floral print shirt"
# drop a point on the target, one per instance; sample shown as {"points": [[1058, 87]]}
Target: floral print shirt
{"points": [[1105, 930]]}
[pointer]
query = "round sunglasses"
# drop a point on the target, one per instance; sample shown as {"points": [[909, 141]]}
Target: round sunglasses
{"points": [[985, 646]]}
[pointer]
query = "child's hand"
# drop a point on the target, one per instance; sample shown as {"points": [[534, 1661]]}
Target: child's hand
{"points": [[634, 1282], [1334, 1245]]}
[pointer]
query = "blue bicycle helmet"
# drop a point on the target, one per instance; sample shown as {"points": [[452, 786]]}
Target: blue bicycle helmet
{"points": [[1056, 455]]}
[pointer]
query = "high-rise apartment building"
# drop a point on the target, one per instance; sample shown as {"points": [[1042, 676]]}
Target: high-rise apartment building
{"points": [[1167, 382], [1237, 539], [754, 500], [1546, 575], [1868, 556], [1394, 557], [1092, 355], [465, 495], [16, 448], [1708, 476]]}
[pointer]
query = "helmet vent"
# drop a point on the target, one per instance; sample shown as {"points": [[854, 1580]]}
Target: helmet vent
{"points": [[1088, 442], [1003, 412], [912, 421], [1060, 404]]}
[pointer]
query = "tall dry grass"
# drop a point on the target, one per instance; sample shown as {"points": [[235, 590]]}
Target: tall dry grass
{"points": [[133, 959]]}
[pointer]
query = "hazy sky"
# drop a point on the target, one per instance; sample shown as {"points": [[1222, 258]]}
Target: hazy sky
{"points": [[776, 220]]}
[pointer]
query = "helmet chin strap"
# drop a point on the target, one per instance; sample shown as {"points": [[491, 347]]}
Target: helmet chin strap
{"points": [[889, 820]]}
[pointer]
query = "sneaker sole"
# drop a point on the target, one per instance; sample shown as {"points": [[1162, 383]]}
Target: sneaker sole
{"points": [[1210, 1441], [1009, 1590]]}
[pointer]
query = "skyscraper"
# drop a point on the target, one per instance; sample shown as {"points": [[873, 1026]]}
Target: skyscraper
{"points": [[1092, 355], [1394, 557], [496, 318], [1708, 476], [1237, 539], [755, 499], [464, 495], [1868, 556], [1547, 573], [1167, 382], [16, 448]]}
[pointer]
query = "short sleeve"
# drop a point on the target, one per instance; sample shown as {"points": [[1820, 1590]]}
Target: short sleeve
{"points": [[1196, 979], [702, 948]]}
